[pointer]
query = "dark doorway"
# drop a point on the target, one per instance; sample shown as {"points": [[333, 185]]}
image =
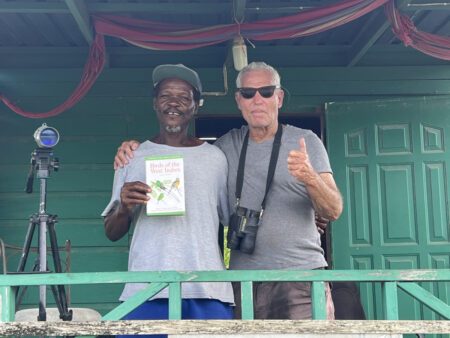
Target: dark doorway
{"points": [[211, 127]]}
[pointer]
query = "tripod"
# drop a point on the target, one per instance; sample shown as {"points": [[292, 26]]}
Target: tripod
{"points": [[41, 159]]}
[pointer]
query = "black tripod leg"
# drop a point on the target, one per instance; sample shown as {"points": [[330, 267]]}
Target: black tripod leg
{"points": [[61, 300], [55, 295], [19, 296], [27, 244], [25, 251], [42, 248]]}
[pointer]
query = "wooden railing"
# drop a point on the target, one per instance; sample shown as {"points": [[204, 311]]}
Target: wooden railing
{"points": [[110, 323]]}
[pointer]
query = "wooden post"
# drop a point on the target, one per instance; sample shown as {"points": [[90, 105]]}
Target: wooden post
{"points": [[175, 300], [7, 304], [390, 300], [318, 301], [247, 300]]}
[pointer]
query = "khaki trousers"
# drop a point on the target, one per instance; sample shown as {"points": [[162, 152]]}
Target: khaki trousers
{"points": [[282, 300]]}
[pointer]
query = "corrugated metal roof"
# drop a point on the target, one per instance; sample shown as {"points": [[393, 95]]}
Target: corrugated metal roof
{"points": [[33, 33]]}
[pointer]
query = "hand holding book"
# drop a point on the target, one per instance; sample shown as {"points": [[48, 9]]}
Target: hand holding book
{"points": [[134, 193]]}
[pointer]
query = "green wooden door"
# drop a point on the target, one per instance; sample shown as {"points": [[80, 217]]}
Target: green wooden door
{"points": [[391, 160]]}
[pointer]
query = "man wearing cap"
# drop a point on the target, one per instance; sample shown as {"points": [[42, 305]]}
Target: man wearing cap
{"points": [[184, 242], [279, 176]]}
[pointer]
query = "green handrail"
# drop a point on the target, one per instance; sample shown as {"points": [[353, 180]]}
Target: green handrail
{"points": [[391, 279]]}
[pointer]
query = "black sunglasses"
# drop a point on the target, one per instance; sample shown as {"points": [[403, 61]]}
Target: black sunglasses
{"points": [[266, 92]]}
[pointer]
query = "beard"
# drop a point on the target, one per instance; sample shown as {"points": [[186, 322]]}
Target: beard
{"points": [[174, 129]]}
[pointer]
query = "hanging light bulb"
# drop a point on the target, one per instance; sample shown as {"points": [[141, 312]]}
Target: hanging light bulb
{"points": [[239, 50]]}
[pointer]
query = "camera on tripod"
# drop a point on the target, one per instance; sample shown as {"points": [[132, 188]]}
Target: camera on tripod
{"points": [[41, 159], [46, 138], [243, 229]]}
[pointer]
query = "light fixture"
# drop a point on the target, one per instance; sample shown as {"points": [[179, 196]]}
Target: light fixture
{"points": [[239, 50]]}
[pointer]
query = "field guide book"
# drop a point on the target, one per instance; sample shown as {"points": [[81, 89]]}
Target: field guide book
{"points": [[165, 175]]}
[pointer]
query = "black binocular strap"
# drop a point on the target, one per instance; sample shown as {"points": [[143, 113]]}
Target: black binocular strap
{"points": [[272, 164]]}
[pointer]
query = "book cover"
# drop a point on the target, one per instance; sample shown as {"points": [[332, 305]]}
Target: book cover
{"points": [[165, 175]]}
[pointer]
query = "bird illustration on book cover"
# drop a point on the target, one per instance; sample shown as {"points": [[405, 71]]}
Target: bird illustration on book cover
{"points": [[164, 174]]}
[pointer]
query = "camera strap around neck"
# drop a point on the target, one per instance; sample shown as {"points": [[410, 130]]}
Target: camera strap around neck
{"points": [[272, 165]]}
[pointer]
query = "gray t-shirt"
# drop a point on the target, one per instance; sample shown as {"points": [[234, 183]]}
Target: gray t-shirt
{"points": [[288, 237], [183, 243]]}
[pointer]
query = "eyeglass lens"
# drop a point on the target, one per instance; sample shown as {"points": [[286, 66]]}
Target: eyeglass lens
{"points": [[266, 92]]}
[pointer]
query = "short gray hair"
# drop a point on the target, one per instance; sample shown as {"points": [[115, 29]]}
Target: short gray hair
{"points": [[258, 66]]}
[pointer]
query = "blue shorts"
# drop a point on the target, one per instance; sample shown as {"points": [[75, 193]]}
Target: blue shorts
{"points": [[190, 309]]}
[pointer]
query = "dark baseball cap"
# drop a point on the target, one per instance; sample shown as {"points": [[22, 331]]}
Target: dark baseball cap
{"points": [[177, 71]]}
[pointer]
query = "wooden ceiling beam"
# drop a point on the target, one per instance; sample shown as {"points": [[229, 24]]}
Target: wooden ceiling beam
{"points": [[133, 50], [80, 13], [213, 56], [239, 9], [30, 7], [368, 35], [426, 5], [160, 8]]}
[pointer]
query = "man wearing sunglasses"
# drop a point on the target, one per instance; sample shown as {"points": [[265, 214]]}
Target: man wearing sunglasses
{"points": [[283, 200]]}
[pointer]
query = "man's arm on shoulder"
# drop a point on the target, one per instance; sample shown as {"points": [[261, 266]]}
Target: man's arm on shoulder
{"points": [[321, 223], [124, 152]]}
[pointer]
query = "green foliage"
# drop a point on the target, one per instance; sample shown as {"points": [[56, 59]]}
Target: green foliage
{"points": [[226, 251]]}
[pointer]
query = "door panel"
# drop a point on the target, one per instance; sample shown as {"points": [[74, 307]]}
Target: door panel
{"points": [[391, 162]]}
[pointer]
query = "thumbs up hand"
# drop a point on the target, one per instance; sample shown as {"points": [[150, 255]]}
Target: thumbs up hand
{"points": [[299, 165]]}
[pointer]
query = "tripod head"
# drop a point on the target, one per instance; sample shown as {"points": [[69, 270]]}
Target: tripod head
{"points": [[42, 157]]}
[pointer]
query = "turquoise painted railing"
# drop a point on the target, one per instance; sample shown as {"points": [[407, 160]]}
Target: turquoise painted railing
{"points": [[391, 280]]}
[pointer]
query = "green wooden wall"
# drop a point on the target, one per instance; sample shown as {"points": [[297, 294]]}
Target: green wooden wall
{"points": [[119, 107]]}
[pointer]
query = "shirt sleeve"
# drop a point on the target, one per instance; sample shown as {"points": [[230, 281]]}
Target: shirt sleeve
{"points": [[318, 154], [119, 180], [223, 195]]}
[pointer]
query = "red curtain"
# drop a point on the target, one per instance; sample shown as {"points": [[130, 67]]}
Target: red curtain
{"points": [[92, 70], [431, 44]]}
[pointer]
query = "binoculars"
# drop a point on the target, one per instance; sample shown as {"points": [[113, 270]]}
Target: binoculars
{"points": [[243, 229]]}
